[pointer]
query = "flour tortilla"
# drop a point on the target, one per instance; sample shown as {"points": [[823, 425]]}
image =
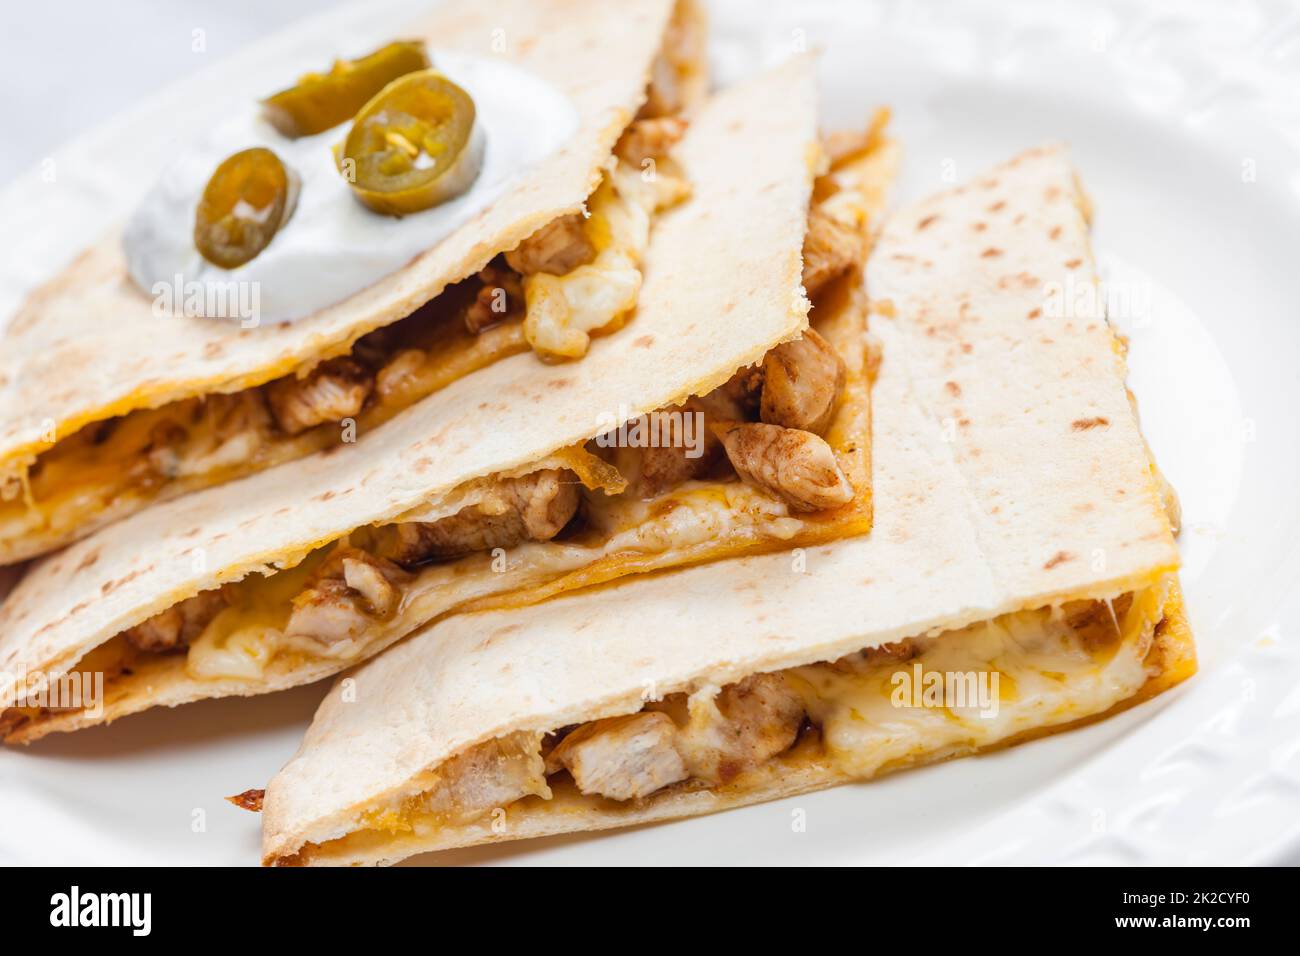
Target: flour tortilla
{"points": [[722, 287], [1007, 459], [86, 346]]}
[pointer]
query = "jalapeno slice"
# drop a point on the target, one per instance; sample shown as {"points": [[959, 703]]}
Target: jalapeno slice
{"points": [[247, 200], [413, 146], [321, 101]]}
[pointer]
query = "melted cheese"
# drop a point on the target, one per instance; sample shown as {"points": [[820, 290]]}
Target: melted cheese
{"points": [[1051, 673], [695, 519], [1045, 675], [563, 311]]}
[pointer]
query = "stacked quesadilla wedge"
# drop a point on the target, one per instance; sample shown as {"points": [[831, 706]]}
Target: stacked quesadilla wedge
{"points": [[1021, 544], [500, 489], [110, 407]]}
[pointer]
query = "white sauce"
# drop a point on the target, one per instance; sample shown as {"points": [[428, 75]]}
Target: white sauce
{"points": [[333, 246]]}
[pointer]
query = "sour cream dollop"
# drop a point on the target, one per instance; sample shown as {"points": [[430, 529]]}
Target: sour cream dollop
{"points": [[333, 247]]}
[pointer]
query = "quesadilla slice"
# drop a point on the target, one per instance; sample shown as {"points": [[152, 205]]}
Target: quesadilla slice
{"points": [[519, 482], [1020, 579], [119, 397]]}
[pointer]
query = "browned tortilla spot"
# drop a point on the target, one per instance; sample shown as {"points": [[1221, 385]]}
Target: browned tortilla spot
{"points": [[1083, 424]]}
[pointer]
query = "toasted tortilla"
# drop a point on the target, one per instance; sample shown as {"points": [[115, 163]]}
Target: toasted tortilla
{"points": [[87, 346], [723, 285], [1010, 475]]}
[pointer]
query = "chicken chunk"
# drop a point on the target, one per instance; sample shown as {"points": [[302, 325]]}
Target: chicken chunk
{"points": [[621, 758], [400, 372], [744, 390], [162, 454], [802, 384], [491, 775], [345, 596], [329, 613], [223, 430], [331, 391], [368, 580], [650, 471], [648, 138], [500, 296], [557, 248], [533, 507], [747, 723], [830, 249], [177, 626], [796, 466]]}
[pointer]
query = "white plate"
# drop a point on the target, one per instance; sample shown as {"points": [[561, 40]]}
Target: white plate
{"points": [[1184, 122]]}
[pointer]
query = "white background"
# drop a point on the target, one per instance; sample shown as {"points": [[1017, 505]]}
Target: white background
{"points": [[67, 66]]}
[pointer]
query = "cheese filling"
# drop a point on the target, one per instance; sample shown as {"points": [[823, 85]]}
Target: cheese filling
{"points": [[926, 697], [565, 310]]}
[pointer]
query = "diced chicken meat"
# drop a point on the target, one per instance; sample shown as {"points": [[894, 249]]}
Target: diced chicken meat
{"points": [[177, 626], [744, 390], [802, 384], [621, 758], [163, 453], [746, 724], [368, 579], [224, 431], [345, 596], [794, 465], [830, 249], [489, 776], [692, 452], [682, 49], [650, 138], [329, 612], [533, 507], [500, 296], [715, 737], [557, 248], [399, 373], [332, 391], [1097, 624]]}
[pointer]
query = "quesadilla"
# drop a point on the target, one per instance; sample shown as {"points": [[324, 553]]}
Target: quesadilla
{"points": [[1021, 546], [112, 407], [519, 482]]}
